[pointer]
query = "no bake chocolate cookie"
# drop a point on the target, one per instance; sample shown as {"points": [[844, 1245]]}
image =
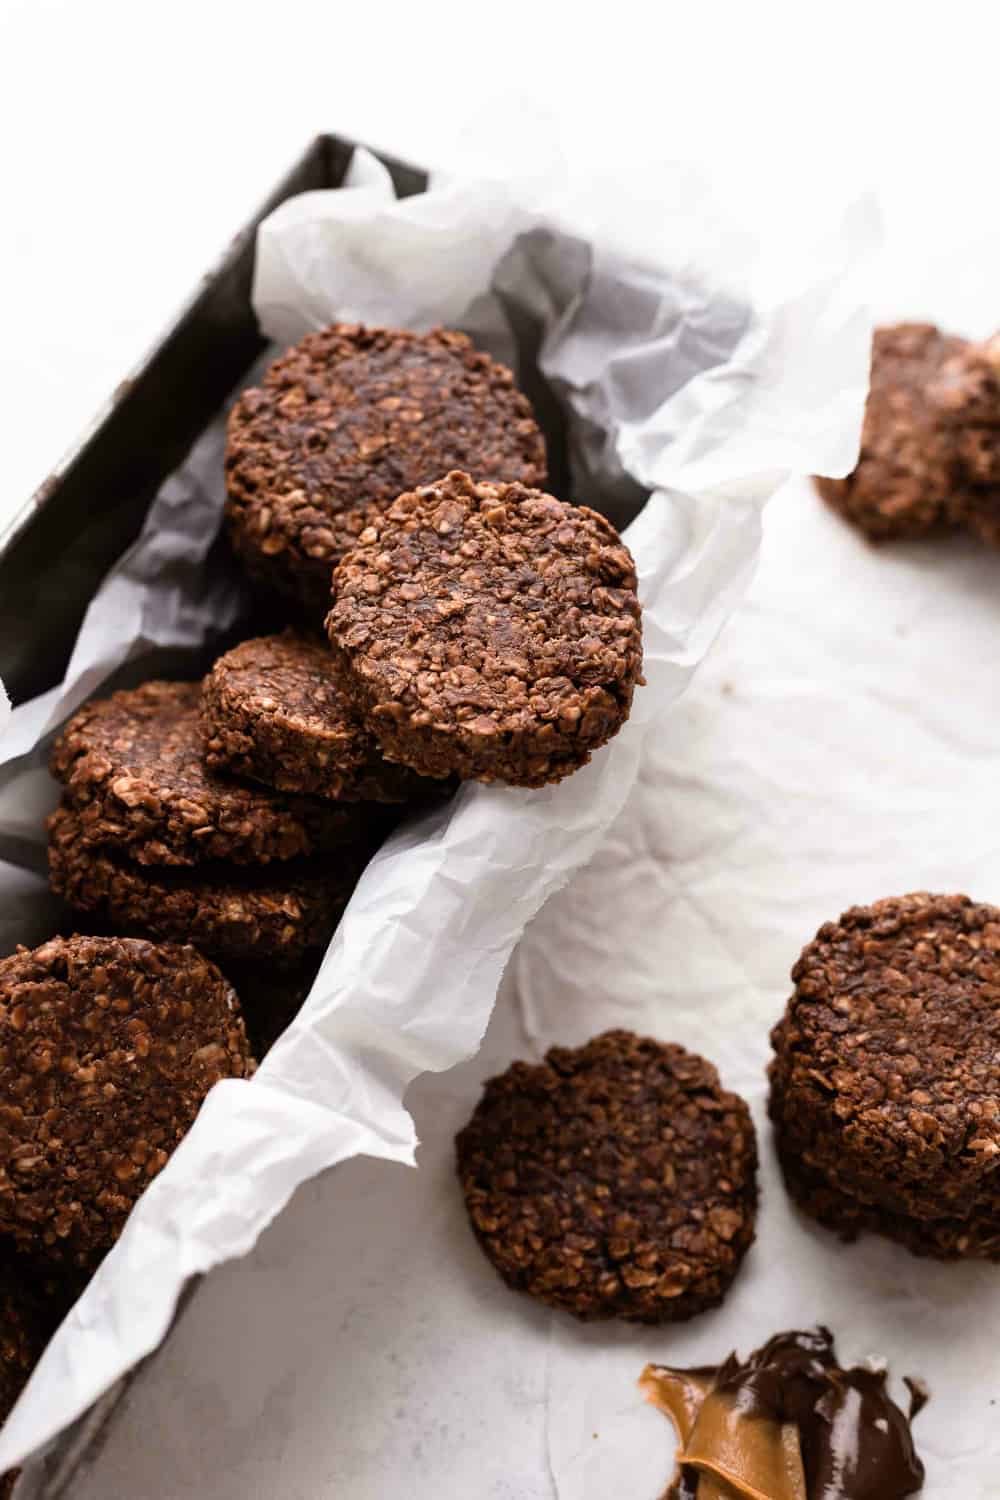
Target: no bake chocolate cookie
{"points": [[614, 1179], [275, 912], [107, 1048], [347, 420], [885, 1082], [852, 1210], [273, 710], [133, 770], [489, 630]]}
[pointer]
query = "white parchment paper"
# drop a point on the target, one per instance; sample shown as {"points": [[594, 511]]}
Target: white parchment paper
{"points": [[695, 368]]}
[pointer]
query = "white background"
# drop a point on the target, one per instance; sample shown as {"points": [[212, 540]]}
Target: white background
{"points": [[136, 138]]}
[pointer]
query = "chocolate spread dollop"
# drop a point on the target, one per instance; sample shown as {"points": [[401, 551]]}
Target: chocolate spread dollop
{"points": [[787, 1424]]}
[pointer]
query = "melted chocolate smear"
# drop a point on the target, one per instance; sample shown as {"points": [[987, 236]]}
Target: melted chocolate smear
{"points": [[788, 1423]]}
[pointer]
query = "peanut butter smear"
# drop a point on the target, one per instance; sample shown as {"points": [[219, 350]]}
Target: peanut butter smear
{"points": [[788, 1424]]}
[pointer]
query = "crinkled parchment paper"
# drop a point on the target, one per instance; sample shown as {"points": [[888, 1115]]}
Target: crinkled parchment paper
{"points": [[702, 365]]}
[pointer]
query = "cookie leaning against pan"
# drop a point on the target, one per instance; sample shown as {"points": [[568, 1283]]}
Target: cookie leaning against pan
{"points": [[133, 771], [107, 1048], [273, 710], [616, 1179], [276, 912], [885, 1081], [489, 630], [347, 420]]}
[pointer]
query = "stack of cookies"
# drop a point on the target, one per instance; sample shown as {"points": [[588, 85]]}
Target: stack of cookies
{"points": [[150, 839], [885, 1090]]}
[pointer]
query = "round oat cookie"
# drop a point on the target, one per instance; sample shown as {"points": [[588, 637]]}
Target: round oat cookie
{"points": [[273, 710], [617, 1179], [347, 420], [489, 630], [275, 912], [133, 769], [107, 1048], [906, 477], [886, 1072]]}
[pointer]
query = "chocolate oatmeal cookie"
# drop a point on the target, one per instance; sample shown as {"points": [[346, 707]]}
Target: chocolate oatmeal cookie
{"points": [[616, 1179], [273, 710], [907, 474], [276, 912], [885, 1079], [107, 1048], [133, 770], [347, 420], [849, 1213], [489, 630]]}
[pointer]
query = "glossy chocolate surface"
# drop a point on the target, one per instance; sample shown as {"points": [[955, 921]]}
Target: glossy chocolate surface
{"points": [[788, 1423]]}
